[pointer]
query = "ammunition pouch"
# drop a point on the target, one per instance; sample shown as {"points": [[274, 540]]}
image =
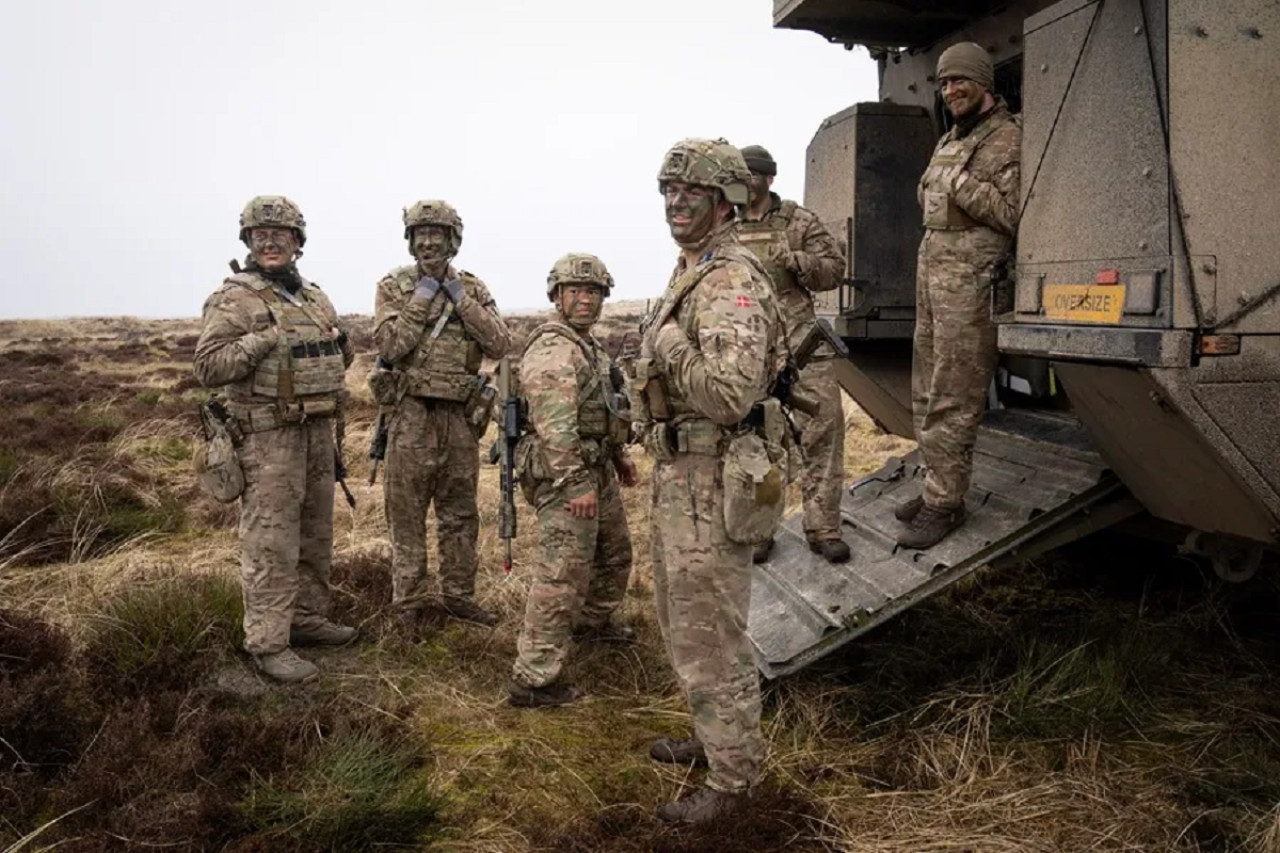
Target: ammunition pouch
{"points": [[455, 387], [941, 213], [648, 393], [216, 462]]}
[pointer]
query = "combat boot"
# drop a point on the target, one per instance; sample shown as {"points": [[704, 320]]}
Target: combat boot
{"points": [[904, 512], [286, 667], [672, 751], [326, 634], [546, 696], [467, 610], [832, 550], [930, 526], [761, 552], [702, 805], [609, 632]]}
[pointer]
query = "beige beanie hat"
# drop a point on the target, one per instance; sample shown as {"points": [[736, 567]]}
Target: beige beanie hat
{"points": [[970, 61]]}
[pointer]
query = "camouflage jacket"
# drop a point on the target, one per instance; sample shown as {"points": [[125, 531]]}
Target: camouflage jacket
{"points": [[238, 332], [730, 349], [788, 228], [403, 325], [564, 391], [973, 177]]}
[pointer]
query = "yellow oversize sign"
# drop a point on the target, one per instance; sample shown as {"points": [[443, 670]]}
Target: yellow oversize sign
{"points": [[1084, 303]]}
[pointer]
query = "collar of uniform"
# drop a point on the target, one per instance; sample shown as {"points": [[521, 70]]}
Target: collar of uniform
{"points": [[449, 272], [716, 240], [965, 128]]}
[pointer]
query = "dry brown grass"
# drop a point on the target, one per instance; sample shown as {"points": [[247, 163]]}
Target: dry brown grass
{"points": [[1105, 699]]}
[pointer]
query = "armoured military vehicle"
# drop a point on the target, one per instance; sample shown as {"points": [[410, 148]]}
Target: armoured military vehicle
{"points": [[1140, 369]]}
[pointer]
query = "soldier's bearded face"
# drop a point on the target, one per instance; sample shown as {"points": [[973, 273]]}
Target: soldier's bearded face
{"points": [[581, 303], [961, 95], [431, 244], [273, 248], [759, 187], [691, 210]]}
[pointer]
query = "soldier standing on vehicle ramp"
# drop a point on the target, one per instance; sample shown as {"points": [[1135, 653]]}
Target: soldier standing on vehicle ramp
{"points": [[802, 258], [711, 350], [969, 194], [270, 338], [432, 325], [570, 463]]}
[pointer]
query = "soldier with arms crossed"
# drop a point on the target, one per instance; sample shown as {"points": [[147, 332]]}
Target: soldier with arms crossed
{"points": [[569, 464], [270, 339], [432, 325]]}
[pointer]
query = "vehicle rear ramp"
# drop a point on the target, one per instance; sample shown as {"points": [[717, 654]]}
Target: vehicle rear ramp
{"points": [[1038, 483]]}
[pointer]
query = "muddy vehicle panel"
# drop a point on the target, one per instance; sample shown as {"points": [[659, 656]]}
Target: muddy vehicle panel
{"points": [[1140, 357]]}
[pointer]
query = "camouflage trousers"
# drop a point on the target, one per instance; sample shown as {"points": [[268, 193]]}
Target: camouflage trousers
{"points": [[702, 583], [286, 532], [432, 457], [580, 580], [822, 440], [953, 359]]}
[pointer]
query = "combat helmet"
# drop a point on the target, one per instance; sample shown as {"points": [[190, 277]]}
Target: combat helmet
{"points": [[578, 268], [272, 211], [433, 212], [707, 163]]}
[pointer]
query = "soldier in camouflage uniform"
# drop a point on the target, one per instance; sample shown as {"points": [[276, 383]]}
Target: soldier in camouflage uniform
{"points": [[969, 195], [802, 259], [711, 350], [270, 340], [432, 325], [569, 464]]}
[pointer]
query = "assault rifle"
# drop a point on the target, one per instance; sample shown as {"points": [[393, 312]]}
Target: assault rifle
{"points": [[378, 444], [504, 451], [805, 354]]}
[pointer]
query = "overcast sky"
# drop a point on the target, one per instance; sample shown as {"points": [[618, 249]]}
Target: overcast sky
{"points": [[135, 130]]}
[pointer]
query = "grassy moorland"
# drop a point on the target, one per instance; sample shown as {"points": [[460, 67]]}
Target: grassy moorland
{"points": [[1112, 697]]}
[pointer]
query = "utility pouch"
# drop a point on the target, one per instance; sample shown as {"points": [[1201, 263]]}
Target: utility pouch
{"points": [[936, 205], [753, 490], [387, 386], [216, 462], [478, 409], [530, 467], [649, 396], [659, 443]]}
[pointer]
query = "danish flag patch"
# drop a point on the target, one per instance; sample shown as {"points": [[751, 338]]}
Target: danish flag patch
{"points": [[742, 301]]}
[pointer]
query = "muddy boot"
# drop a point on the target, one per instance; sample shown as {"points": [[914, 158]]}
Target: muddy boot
{"points": [[286, 667], [702, 805], [609, 632], [547, 696], [761, 552], [467, 610], [906, 511], [832, 550], [325, 634], [671, 751], [930, 526]]}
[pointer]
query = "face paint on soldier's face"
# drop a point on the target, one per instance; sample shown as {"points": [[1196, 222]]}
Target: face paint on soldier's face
{"points": [[961, 95], [581, 303], [691, 210], [758, 188], [431, 244], [273, 248]]}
